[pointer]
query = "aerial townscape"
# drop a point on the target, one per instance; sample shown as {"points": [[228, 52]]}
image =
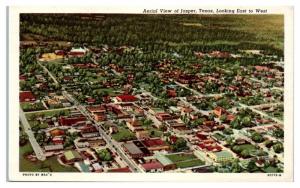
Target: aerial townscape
{"points": [[105, 93]]}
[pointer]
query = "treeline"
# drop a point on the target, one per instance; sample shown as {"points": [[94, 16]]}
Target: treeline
{"points": [[147, 31]]}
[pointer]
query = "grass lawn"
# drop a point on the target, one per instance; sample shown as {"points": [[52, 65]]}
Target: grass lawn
{"points": [[156, 132], [181, 157], [51, 113], [49, 165], [246, 147], [98, 79], [28, 106], [270, 169], [185, 160], [219, 136], [110, 91], [191, 163], [123, 135]]}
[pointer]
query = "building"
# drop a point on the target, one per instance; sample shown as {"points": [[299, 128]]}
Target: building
{"points": [[77, 52], [153, 166], [126, 98], [56, 147], [120, 170], [166, 162], [221, 156], [26, 96], [96, 109], [89, 131], [155, 144], [219, 111], [57, 132], [162, 116], [69, 121], [133, 150], [58, 140], [134, 125]]}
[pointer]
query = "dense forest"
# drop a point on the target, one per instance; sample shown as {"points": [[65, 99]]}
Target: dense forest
{"points": [[155, 32]]}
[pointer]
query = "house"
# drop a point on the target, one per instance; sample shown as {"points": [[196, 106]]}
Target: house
{"points": [[57, 132], [219, 111], [162, 116], [221, 156], [100, 117], [134, 125], [58, 140], [89, 131], [171, 92], [153, 166], [261, 68], [22, 78], [219, 54], [59, 52], [97, 167], [113, 129], [126, 98], [90, 100], [26, 96]]}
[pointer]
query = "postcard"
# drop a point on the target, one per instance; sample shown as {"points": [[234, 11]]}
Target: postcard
{"points": [[150, 94]]}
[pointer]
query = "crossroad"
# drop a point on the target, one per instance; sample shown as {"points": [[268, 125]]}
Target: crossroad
{"points": [[114, 146]]}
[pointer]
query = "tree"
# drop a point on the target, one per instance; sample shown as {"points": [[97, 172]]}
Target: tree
{"points": [[104, 155], [256, 137], [180, 145], [278, 147]]}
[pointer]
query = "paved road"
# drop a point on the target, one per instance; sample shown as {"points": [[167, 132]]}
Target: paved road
{"points": [[114, 146], [49, 73], [134, 167], [36, 147]]}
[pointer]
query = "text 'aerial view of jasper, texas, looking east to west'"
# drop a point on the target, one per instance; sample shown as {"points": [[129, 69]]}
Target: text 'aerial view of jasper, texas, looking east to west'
{"points": [[104, 93]]}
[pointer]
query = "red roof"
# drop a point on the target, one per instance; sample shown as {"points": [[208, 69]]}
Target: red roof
{"points": [[90, 100], [22, 77], [57, 132], [126, 169], [26, 96], [68, 121], [76, 53], [99, 108], [153, 142], [88, 129], [126, 98], [152, 165]]}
